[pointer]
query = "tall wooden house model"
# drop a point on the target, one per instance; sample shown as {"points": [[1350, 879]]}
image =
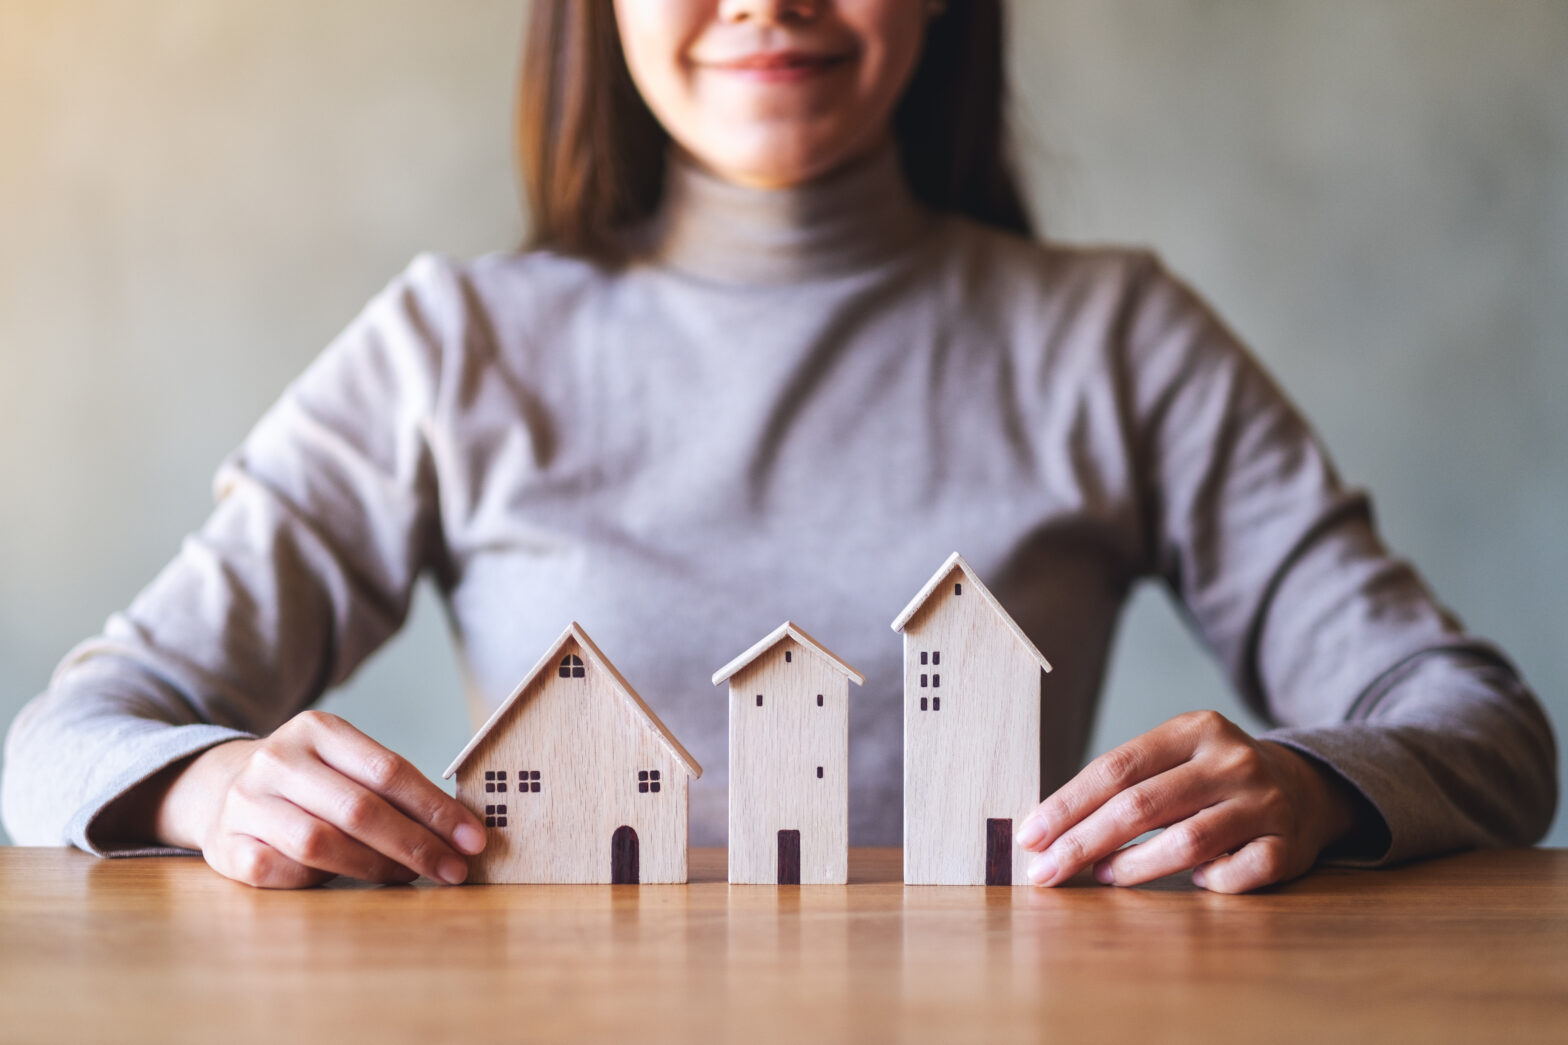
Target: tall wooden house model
{"points": [[789, 761], [972, 690], [576, 779]]}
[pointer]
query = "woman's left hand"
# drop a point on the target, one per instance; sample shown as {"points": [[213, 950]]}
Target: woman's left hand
{"points": [[1241, 812]]}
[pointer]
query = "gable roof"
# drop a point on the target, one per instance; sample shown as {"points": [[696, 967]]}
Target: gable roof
{"points": [[774, 637], [575, 631], [956, 560]]}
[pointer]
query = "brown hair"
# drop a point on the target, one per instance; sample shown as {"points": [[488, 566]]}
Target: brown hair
{"points": [[592, 153]]}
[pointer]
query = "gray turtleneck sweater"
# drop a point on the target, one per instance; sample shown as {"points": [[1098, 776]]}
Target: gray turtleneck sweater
{"points": [[794, 404]]}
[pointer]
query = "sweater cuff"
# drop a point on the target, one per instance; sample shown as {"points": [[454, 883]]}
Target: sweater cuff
{"points": [[161, 749]]}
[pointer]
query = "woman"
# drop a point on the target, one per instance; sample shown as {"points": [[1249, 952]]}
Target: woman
{"points": [[781, 344]]}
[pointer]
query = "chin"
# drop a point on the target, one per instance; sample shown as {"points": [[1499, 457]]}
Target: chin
{"points": [[780, 163]]}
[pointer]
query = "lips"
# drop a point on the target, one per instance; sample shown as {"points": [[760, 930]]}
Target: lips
{"points": [[772, 60]]}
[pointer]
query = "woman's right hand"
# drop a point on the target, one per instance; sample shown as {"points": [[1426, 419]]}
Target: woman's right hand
{"points": [[314, 800]]}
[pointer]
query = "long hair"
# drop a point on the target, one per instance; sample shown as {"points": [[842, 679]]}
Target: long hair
{"points": [[591, 152]]}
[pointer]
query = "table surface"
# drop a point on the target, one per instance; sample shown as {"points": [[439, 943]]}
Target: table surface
{"points": [[1469, 947]]}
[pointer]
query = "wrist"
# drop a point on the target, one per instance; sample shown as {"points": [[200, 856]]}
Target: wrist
{"points": [[1330, 806], [186, 802]]}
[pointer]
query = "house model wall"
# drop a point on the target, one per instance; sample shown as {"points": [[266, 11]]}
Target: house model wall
{"points": [[972, 692], [576, 779], [789, 761]]}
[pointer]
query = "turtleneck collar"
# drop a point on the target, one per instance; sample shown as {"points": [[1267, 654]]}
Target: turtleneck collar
{"points": [[853, 218]]}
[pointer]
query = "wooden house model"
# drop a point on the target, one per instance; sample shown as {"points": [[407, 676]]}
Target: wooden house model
{"points": [[789, 761], [972, 694], [576, 779]]}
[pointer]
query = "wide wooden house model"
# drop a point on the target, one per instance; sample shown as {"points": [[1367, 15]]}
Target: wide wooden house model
{"points": [[972, 691], [576, 779], [789, 761]]}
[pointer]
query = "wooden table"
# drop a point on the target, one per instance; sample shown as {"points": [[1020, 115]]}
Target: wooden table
{"points": [[1471, 947]]}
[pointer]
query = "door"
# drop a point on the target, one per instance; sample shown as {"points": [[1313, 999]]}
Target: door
{"points": [[999, 851], [789, 857], [623, 857]]}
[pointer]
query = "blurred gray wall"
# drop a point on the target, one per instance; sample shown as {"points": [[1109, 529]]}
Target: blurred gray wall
{"points": [[194, 197]]}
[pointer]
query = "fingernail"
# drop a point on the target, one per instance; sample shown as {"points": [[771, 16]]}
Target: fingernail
{"points": [[1103, 874], [451, 870], [1198, 878], [1031, 832], [1042, 869], [469, 838]]}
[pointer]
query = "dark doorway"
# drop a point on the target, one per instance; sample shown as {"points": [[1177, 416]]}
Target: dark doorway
{"points": [[999, 851], [623, 857], [789, 857]]}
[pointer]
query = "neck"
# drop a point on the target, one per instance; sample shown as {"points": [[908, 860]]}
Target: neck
{"points": [[857, 216]]}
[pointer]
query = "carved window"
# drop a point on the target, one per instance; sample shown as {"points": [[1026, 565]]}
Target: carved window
{"points": [[759, 700], [571, 667], [495, 780], [495, 816], [958, 588], [819, 772], [527, 781], [819, 700], [931, 704], [789, 655], [647, 781]]}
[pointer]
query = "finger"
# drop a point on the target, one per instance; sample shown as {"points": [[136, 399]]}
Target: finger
{"points": [[1204, 836], [312, 842], [1149, 804], [368, 820], [1263, 861], [254, 862], [396, 780], [1156, 751]]}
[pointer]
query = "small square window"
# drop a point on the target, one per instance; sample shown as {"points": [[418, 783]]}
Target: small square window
{"points": [[642, 774], [500, 810], [819, 700], [654, 787], [534, 787], [490, 787], [489, 810], [654, 775], [500, 787], [500, 821], [642, 787], [922, 703], [489, 774], [534, 775], [500, 774]]}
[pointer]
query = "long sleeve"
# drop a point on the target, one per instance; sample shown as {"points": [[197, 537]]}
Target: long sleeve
{"points": [[323, 522], [1334, 640]]}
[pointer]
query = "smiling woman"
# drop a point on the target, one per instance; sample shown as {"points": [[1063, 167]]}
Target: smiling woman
{"points": [[781, 343], [594, 117]]}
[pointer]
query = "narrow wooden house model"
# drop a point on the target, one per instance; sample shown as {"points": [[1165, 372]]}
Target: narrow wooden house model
{"points": [[972, 690], [789, 761], [576, 779]]}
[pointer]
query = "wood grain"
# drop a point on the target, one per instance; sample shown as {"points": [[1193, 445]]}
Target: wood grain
{"points": [[1467, 948]]}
